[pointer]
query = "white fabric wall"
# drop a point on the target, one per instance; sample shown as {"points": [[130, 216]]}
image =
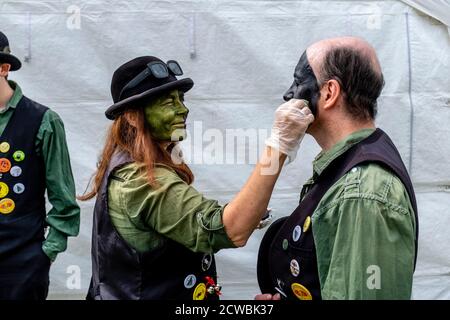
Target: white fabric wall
{"points": [[241, 55]]}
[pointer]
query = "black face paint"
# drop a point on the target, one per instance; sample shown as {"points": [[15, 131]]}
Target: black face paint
{"points": [[305, 85]]}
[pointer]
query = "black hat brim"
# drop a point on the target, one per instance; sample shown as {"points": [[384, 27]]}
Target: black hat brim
{"points": [[184, 85], [10, 59]]}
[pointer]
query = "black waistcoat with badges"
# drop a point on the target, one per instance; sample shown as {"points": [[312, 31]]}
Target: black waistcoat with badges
{"points": [[168, 272], [22, 198], [287, 260]]}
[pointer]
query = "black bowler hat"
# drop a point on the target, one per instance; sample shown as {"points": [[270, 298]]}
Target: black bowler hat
{"points": [[5, 54], [135, 82]]}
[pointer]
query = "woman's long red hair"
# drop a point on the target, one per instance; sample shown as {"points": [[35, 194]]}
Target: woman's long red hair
{"points": [[129, 133]]}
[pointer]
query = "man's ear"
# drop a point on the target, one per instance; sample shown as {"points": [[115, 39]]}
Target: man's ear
{"points": [[4, 69], [331, 92]]}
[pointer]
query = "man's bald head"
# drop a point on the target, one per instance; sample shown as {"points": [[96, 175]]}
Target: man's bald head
{"points": [[354, 64], [318, 51]]}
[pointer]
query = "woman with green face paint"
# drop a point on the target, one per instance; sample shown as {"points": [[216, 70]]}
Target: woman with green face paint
{"points": [[154, 235], [166, 116]]}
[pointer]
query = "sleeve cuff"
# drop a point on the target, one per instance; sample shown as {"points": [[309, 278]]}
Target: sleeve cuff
{"points": [[51, 254]]}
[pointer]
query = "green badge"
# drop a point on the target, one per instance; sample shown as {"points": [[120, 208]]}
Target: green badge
{"points": [[18, 156], [285, 244]]}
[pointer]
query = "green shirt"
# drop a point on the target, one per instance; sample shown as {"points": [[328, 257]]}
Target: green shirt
{"points": [[364, 231], [64, 217], [144, 215]]}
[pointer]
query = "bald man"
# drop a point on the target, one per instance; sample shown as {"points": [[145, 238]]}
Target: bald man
{"points": [[354, 233]]}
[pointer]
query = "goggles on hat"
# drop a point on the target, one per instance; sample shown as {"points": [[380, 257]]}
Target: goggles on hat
{"points": [[158, 69]]}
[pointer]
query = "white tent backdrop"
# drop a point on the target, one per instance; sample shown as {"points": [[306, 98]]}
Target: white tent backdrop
{"points": [[241, 55]]}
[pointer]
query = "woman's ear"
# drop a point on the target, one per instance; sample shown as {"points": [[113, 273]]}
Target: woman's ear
{"points": [[331, 91], [4, 69]]}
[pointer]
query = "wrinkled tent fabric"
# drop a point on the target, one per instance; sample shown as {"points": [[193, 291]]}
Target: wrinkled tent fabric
{"points": [[438, 9], [241, 55]]}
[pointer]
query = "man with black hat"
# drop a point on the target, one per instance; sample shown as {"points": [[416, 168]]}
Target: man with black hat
{"points": [[354, 233], [33, 159]]}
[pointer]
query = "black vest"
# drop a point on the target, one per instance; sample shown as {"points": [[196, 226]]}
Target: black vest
{"points": [[22, 202], [290, 267], [120, 272]]}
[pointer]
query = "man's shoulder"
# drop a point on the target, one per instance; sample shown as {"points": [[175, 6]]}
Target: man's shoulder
{"points": [[382, 182], [370, 182]]}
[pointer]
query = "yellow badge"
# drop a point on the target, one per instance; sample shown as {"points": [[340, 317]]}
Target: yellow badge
{"points": [[4, 189], [4, 147], [5, 165], [307, 224], [7, 206], [199, 292], [301, 292]]}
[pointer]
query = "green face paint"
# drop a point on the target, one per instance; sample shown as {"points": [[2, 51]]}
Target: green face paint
{"points": [[166, 117]]}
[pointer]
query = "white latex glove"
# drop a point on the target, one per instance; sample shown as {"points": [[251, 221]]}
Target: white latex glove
{"points": [[292, 118]]}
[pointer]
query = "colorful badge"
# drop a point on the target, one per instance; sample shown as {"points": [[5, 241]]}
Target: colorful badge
{"points": [[18, 156], [199, 292], [307, 224], [5, 165], [206, 261], [296, 233], [212, 287], [16, 171], [285, 244], [7, 206], [18, 188], [295, 268], [4, 189], [189, 281], [301, 292], [4, 147]]}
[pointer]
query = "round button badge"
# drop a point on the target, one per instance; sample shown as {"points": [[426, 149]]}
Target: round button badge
{"points": [[307, 224], [4, 189], [206, 261], [19, 155], [19, 188], [301, 292], [296, 233], [295, 268], [5, 165], [199, 292], [4, 147], [7, 206], [16, 171], [285, 244], [190, 281]]}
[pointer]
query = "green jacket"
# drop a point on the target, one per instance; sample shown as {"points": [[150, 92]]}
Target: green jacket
{"points": [[64, 217], [143, 215], [364, 231]]}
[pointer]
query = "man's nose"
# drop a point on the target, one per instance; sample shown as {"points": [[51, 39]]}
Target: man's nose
{"points": [[288, 95]]}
